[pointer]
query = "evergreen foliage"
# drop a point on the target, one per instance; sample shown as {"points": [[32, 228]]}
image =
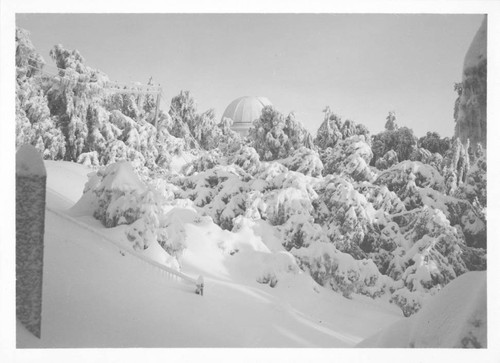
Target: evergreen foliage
{"points": [[275, 137]]}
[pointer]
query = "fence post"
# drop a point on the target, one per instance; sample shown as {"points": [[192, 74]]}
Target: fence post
{"points": [[199, 285], [31, 180]]}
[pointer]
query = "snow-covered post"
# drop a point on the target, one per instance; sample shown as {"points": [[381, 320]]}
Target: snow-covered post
{"points": [[31, 180], [199, 285]]}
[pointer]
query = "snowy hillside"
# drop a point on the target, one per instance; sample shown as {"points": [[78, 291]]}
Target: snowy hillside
{"points": [[454, 318], [94, 296]]}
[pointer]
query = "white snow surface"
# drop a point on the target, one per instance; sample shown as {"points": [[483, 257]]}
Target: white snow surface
{"points": [[178, 161], [122, 177], [453, 318], [29, 162], [95, 294]]}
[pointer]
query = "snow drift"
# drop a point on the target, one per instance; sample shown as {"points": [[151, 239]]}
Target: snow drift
{"points": [[454, 318]]}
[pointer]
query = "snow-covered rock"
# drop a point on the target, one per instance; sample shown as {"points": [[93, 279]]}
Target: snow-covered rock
{"points": [[471, 104]]}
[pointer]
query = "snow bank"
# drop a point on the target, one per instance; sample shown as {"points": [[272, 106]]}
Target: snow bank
{"points": [[454, 318], [121, 177]]}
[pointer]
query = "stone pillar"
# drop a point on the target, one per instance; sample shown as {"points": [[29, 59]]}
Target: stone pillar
{"points": [[31, 180]]}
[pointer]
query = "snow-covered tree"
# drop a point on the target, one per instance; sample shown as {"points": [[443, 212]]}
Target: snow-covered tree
{"points": [[434, 256], [34, 123], [340, 271], [434, 143], [199, 130], [276, 137], [183, 118], [229, 140], [329, 131], [305, 161], [119, 197], [220, 190], [408, 301], [149, 102], [348, 129], [396, 178], [247, 158], [390, 124], [389, 159], [473, 218], [205, 161], [206, 130], [458, 160], [401, 140], [70, 95], [350, 156]]}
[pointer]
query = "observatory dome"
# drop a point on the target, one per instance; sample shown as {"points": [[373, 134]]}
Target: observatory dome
{"points": [[244, 111]]}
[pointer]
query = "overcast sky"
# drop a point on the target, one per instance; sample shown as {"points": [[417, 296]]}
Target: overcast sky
{"points": [[362, 66]]}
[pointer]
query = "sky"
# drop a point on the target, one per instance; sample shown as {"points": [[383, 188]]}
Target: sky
{"points": [[361, 65]]}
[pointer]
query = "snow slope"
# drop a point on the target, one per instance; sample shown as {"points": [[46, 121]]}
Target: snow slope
{"points": [[96, 295], [455, 317]]}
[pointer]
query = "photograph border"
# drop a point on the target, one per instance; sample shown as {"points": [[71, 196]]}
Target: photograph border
{"points": [[8, 10]]}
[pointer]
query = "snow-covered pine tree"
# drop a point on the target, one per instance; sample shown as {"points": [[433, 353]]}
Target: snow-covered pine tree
{"points": [[328, 133], [183, 118], [206, 130], [229, 141], [75, 89], [34, 124], [276, 137], [434, 143], [401, 140], [391, 124]]}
